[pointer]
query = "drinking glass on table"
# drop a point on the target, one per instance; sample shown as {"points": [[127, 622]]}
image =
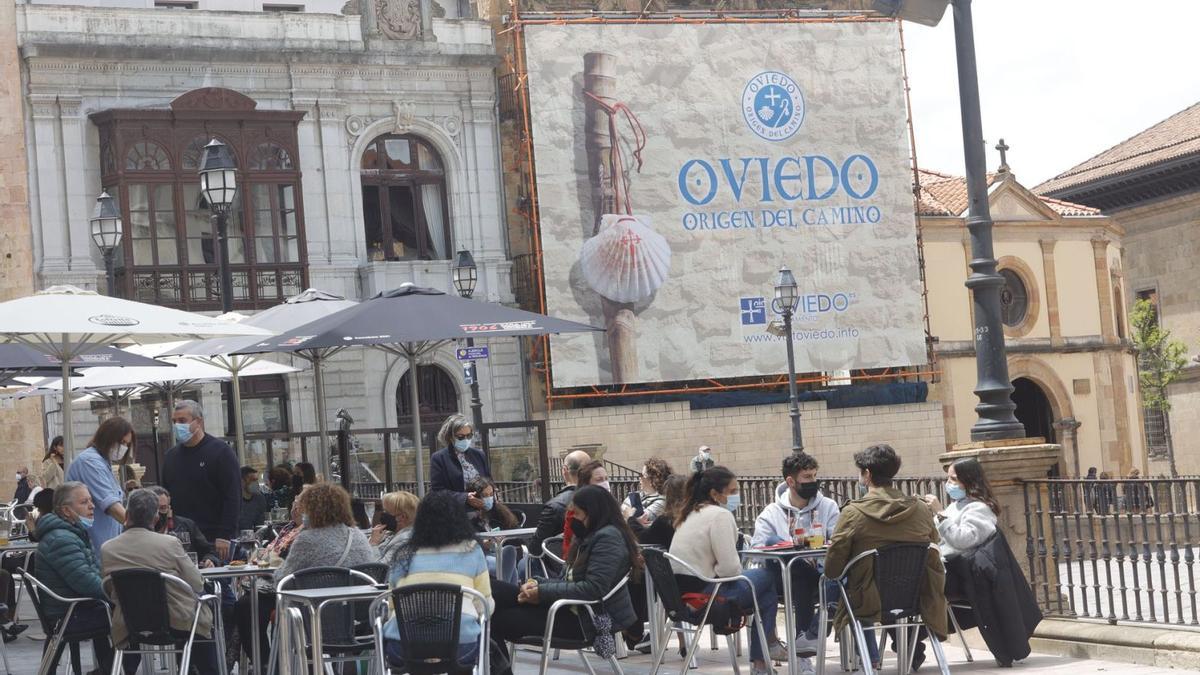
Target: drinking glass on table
{"points": [[370, 508]]}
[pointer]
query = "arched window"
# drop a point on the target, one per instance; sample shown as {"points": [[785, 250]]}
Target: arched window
{"points": [[147, 156], [436, 392], [1014, 298], [404, 200]]}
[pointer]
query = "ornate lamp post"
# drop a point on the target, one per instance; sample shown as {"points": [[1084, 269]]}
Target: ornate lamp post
{"points": [[106, 234], [465, 275], [784, 304], [995, 419], [218, 184]]}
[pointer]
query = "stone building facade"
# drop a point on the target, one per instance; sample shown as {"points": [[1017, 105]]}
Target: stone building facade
{"points": [[1150, 184], [1069, 354], [367, 148]]}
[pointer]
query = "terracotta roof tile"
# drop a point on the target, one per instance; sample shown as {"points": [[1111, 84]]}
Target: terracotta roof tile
{"points": [[945, 195], [1174, 137]]}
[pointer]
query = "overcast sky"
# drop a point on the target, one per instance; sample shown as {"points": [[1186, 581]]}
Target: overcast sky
{"points": [[1060, 80]]}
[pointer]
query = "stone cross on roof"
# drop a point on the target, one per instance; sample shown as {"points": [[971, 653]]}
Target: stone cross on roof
{"points": [[1003, 148]]}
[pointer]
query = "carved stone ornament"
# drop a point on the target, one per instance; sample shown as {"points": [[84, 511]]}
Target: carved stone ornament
{"points": [[405, 113], [399, 19], [452, 125], [355, 125]]}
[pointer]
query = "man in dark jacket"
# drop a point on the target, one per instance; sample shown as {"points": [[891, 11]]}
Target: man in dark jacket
{"points": [[67, 565], [1002, 604], [23, 485], [453, 467], [203, 477], [550, 522]]}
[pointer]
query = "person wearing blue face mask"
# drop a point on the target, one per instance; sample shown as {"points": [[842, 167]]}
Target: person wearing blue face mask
{"points": [[93, 467], [493, 515], [67, 565], [204, 478], [706, 537], [457, 463], [972, 514]]}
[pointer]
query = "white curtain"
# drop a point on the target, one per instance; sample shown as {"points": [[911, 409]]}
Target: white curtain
{"points": [[435, 220]]}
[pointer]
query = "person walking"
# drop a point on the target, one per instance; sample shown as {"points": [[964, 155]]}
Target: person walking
{"points": [[703, 460], [52, 465], [93, 467], [458, 463], [201, 472], [24, 487]]}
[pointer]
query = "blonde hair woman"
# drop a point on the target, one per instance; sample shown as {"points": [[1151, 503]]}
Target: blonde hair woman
{"points": [[395, 526]]}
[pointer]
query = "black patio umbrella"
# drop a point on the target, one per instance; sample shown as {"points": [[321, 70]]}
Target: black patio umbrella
{"points": [[411, 321], [23, 357]]}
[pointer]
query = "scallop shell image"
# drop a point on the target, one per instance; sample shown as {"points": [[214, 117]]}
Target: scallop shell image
{"points": [[626, 261]]}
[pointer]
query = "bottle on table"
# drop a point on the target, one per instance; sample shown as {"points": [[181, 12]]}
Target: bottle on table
{"points": [[816, 537]]}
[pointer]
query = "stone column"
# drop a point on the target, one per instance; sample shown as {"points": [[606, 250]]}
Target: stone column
{"points": [[1007, 464]]}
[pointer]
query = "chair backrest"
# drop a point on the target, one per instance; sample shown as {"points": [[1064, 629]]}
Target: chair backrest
{"points": [[377, 571], [33, 590], [899, 575], [337, 619], [553, 547], [663, 576], [142, 596], [530, 512], [428, 617]]}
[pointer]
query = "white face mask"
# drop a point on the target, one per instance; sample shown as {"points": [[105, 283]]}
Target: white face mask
{"points": [[117, 453], [20, 476]]}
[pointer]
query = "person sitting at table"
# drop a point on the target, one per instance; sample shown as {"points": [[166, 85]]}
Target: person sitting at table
{"points": [[972, 514], [661, 530], [604, 552], [458, 462], [706, 538], [493, 515], [442, 550], [399, 510], [884, 516], [281, 495], [798, 503], [643, 506], [329, 538], [183, 529], [591, 473], [551, 520], [66, 564], [276, 552], [140, 547]]}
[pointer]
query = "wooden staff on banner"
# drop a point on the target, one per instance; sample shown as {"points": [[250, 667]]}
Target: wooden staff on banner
{"points": [[599, 79]]}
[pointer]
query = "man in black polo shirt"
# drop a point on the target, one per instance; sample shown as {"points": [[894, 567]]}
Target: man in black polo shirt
{"points": [[201, 472]]}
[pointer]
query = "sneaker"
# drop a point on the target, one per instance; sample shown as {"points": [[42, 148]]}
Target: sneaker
{"points": [[767, 670], [806, 646], [778, 652], [806, 666]]}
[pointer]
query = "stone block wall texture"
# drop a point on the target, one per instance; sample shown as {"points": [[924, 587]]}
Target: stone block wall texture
{"points": [[21, 439], [752, 440]]}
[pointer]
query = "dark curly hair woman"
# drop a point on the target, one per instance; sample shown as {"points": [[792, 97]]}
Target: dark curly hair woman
{"points": [[442, 550], [644, 506]]}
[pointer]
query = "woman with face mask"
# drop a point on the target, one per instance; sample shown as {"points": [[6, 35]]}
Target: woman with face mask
{"points": [[458, 463], [706, 537], [93, 467], [971, 516], [493, 516]]}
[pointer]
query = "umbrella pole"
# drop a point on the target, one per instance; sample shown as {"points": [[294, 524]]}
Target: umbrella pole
{"points": [[239, 435], [322, 423], [415, 408], [68, 430]]}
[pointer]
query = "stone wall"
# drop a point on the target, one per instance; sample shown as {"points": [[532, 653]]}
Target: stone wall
{"points": [[21, 439], [751, 440]]}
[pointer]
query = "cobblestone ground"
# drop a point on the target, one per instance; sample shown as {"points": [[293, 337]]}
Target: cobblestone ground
{"points": [[25, 653]]}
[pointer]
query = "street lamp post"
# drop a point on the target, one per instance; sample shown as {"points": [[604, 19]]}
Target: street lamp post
{"points": [[465, 275], [218, 184], [995, 419], [784, 304], [106, 235]]}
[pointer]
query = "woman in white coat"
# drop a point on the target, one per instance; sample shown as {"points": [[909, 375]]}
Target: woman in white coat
{"points": [[972, 514]]}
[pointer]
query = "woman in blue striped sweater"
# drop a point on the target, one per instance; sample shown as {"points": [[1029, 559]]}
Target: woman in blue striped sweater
{"points": [[442, 550]]}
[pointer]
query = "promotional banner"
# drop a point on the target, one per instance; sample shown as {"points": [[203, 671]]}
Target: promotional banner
{"points": [[679, 166]]}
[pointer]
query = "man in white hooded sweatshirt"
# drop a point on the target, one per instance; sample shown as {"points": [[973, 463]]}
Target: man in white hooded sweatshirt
{"points": [[798, 504]]}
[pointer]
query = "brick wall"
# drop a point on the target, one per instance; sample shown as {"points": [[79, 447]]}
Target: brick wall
{"points": [[751, 440], [20, 422]]}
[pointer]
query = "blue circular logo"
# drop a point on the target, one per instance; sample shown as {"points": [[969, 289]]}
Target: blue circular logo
{"points": [[773, 105]]}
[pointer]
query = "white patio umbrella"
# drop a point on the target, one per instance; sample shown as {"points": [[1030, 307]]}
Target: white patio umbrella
{"points": [[298, 310], [65, 321]]}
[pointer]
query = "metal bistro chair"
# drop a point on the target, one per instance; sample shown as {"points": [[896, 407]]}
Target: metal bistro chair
{"points": [[899, 574], [362, 614], [338, 635], [56, 630], [658, 565], [551, 551], [549, 643], [428, 617], [141, 594]]}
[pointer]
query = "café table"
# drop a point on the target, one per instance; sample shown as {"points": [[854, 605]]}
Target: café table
{"points": [[315, 599], [785, 558], [237, 572], [499, 537], [18, 546]]}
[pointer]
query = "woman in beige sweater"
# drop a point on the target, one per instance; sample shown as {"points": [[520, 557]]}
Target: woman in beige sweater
{"points": [[706, 538], [52, 464]]}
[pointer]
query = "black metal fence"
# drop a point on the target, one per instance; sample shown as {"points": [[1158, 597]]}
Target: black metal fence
{"points": [[1119, 550]]}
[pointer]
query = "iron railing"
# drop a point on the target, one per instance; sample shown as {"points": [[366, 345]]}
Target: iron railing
{"points": [[1118, 550]]}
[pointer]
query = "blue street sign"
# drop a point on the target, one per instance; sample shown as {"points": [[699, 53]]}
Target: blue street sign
{"points": [[472, 353]]}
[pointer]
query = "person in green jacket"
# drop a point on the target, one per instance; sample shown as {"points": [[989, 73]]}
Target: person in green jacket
{"points": [[67, 565]]}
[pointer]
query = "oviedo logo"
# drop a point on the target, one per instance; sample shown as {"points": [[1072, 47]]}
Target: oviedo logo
{"points": [[773, 105]]}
